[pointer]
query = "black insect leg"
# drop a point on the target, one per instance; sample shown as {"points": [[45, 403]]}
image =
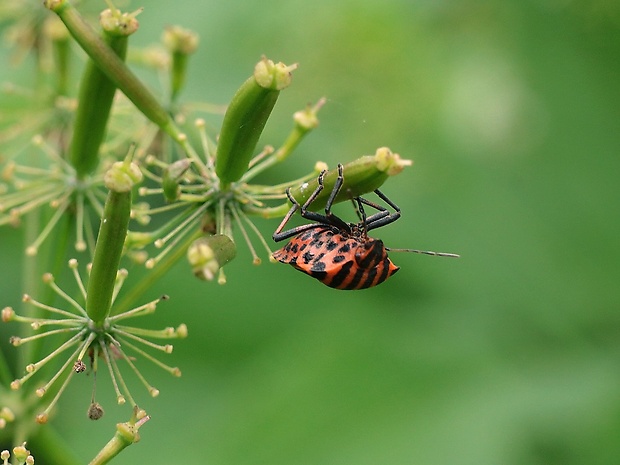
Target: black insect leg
{"points": [[383, 217], [335, 190], [278, 235], [329, 219], [313, 196]]}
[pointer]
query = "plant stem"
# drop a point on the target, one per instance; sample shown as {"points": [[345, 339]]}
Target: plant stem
{"points": [[108, 250], [94, 105], [113, 67], [126, 435]]}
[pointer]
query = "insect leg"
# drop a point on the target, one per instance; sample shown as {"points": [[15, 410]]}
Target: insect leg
{"points": [[313, 196], [333, 219], [335, 190], [278, 235], [329, 218], [383, 217]]}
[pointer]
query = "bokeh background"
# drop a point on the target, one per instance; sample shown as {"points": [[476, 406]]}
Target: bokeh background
{"points": [[509, 355]]}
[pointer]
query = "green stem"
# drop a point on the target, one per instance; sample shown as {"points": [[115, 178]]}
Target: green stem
{"points": [[62, 53], [113, 67], [181, 43], [95, 102], [269, 212], [108, 250], [179, 68], [283, 152], [126, 435]]}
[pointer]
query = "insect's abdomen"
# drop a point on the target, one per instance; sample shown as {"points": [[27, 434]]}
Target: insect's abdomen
{"points": [[332, 259], [351, 277]]}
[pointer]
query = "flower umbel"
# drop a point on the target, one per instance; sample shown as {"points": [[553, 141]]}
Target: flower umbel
{"points": [[31, 188], [90, 342], [193, 189]]}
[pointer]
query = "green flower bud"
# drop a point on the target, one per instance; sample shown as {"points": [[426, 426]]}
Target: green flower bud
{"points": [[273, 76], [208, 254], [116, 23], [122, 176], [20, 452], [180, 40], [307, 119], [55, 5], [246, 117]]}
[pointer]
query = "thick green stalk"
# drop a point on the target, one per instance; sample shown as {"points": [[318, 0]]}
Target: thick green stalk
{"points": [[94, 105], [126, 435], [112, 233], [246, 117], [97, 93], [113, 67], [60, 38], [108, 252]]}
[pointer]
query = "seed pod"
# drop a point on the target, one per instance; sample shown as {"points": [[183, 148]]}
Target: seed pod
{"points": [[361, 176], [208, 254], [246, 116], [112, 232]]}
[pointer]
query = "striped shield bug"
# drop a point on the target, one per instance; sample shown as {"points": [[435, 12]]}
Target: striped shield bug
{"points": [[340, 254]]}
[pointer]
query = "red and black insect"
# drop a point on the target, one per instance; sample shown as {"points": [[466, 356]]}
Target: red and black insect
{"points": [[339, 254]]}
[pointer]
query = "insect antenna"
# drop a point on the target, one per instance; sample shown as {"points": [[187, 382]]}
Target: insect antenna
{"points": [[425, 252]]}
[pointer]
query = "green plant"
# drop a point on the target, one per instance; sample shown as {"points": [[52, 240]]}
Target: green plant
{"points": [[95, 159]]}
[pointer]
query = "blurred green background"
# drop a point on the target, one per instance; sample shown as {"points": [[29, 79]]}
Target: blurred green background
{"points": [[509, 355]]}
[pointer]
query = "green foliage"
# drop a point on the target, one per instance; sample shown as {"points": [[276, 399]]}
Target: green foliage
{"points": [[508, 355]]}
